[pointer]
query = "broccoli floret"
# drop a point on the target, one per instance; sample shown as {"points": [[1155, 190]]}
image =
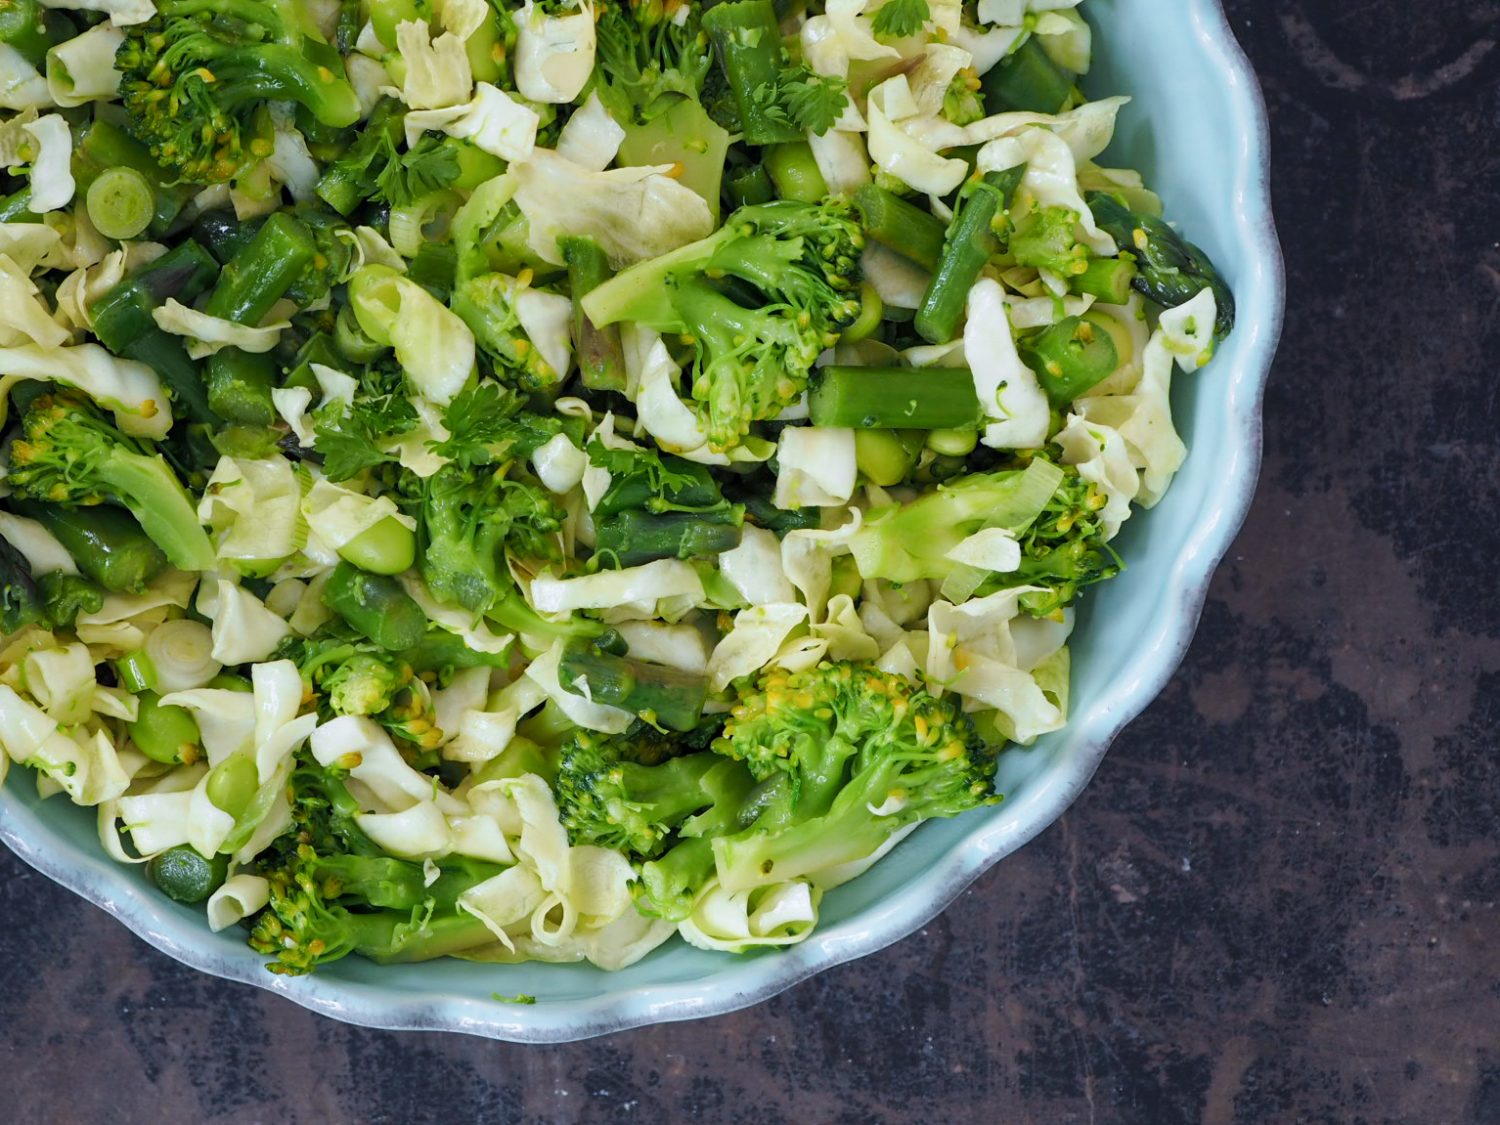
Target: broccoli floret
{"points": [[364, 685], [196, 77], [68, 453], [630, 794], [355, 677], [868, 753], [324, 864], [470, 523], [1045, 238], [963, 101], [1065, 550], [905, 542], [649, 50], [487, 304], [757, 301], [650, 53]]}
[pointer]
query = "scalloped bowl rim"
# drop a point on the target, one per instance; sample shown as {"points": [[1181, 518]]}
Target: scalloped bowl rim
{"points": [[752, 980]]}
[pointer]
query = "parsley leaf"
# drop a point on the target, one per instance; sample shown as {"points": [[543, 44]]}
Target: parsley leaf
{"points": [[899, 18], [486, 424], [430, 166], [802, 99], [349, 440], [814, 101]]}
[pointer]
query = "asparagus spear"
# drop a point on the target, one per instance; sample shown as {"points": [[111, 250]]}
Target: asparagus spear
{"points": [[970, 243], [601, 364], [1172, 270], [664, 695], [748, 41], [239, 385], [900, 226], [635, 537]]}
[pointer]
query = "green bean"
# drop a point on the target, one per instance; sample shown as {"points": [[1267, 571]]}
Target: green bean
{"points": [[1027, 80], [906, 398], [106, 542], [1070, 357]]}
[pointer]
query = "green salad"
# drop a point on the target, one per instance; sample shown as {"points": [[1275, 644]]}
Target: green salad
{"points": [[520, 482]]}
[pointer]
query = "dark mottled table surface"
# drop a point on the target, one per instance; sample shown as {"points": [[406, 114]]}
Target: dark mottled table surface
{"points": [[1276, 902]]}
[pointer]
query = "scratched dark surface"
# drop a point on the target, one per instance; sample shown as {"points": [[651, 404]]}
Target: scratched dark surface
{"points": [[1277, 901]]}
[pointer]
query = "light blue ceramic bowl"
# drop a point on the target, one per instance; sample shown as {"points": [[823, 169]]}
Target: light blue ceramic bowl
{"points": [[1197, 130]]}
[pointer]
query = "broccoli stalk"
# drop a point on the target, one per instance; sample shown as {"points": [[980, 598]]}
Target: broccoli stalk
{"points": [[67, 453], [196, 77], [759, 300]]}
